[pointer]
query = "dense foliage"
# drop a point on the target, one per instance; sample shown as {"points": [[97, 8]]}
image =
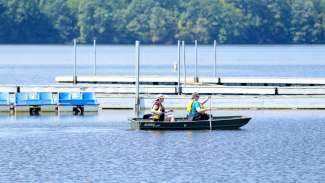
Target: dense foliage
{"points": [[162, 21]]}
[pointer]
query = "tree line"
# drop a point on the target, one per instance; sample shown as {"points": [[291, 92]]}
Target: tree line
{"points": [[163, 21]]}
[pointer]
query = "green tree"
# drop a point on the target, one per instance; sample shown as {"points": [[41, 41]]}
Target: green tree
{"points": [[62, 17], [265, 21], [162, 25], [4, 25], [319, 26], [302, 21], [308, 21], [28, 24], [137, 19], [225, 22], [163, 21], [193, 23], [96, 20]]}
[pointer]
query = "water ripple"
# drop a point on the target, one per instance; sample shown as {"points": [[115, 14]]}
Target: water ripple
{"points": [[276, 146]]}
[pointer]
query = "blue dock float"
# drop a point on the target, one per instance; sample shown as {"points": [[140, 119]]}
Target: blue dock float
{"points": [[4, 102], [34, 102], [77, 102]]}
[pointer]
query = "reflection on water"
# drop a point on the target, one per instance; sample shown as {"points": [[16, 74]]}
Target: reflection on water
{"points": [[276, 146]]}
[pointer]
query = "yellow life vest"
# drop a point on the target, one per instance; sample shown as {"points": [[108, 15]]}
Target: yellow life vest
{"points": [[189, 106], [156, 114]]}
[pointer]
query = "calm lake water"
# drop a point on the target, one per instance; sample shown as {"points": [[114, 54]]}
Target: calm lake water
{"points": [[276, 146], [39, 64]]}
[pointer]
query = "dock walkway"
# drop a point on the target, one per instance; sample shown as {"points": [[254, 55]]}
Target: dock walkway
{"points": [[121, 96], [172, 80]]}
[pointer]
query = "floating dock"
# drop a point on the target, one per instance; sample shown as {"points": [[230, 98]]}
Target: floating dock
{"points": [[121, 96], [219, 102], [35, 102], [169, 90], [169, 80]]}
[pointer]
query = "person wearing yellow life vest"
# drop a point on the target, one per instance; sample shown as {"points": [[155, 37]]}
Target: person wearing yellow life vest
{"points": [[159, 112], [195, 109]]}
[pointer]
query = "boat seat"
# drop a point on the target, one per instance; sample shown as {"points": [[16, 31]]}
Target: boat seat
{"points": [[4, 98], [77, 98], [27, 98], [89, 98], [64, 97], [70, 98], [46, 98], [34, 98], [21, 98]]}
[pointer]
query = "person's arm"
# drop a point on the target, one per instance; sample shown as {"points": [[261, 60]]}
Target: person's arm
{"points": [[167, 111], [205, 101]]}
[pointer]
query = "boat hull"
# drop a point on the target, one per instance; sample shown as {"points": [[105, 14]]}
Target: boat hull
{"points": [[222, 123]]}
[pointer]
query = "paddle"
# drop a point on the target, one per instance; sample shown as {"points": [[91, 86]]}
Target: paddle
{"points": [[210, 116]]}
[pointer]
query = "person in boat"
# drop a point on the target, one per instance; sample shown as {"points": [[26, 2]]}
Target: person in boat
{"points": [[159, 112], [196, 110]]}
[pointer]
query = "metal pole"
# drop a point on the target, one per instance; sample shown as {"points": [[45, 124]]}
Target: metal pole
{"points": [[196, 77], [210, 118], [137, 75], [184, 62], [75, 61], [215, 57], [179, 67], [95, 59]]}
